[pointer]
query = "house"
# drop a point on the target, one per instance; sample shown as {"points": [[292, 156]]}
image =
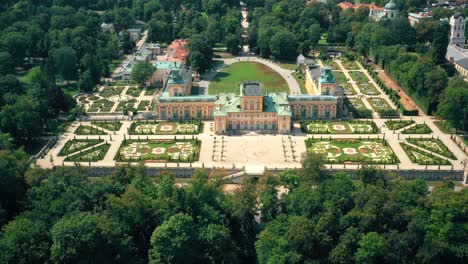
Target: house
{"points": [[390, 11], [415, 18]]}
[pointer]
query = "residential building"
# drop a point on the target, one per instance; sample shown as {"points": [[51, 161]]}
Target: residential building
{"points": [[415, 18]]}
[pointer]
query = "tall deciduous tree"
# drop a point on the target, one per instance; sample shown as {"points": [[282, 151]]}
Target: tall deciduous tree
{"points": [[440, 43], [142, 71], [65, 62]]}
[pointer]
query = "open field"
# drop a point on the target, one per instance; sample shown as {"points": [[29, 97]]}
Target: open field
{"points": [[229, 79]]}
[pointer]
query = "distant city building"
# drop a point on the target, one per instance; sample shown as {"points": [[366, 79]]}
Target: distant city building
{"points": [[457, 30], [415, 18], [376, 12]]}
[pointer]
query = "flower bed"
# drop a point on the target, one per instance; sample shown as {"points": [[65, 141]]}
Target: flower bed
{"points": [[398, 124], [422, 158], [76, 145], [432, 144], [417, 129], [165, 128], [335, 127], [111, 126], [90, 155], [358, 76], [134, 91], [363, 151], [89, 130], [357, 108], [347, 89], [159, 150], [350, 65]]}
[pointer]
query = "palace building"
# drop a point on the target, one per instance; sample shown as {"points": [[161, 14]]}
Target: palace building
{"points": [[251, 110]]}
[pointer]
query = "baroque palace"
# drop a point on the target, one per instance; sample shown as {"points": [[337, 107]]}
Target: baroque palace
{"points": [[251, 110]]}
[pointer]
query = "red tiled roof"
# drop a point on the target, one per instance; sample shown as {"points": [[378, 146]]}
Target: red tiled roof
{"points": [[346, 5]]}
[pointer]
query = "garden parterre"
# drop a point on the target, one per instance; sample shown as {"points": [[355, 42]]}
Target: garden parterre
{"points": [[432, 144], [165, 128], [159, 150], [365, 151], [336, 127], [422, 158]]}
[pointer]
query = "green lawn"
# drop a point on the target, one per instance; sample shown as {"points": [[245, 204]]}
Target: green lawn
{"points": [[300, 80], [359, 77], [340, 77], [27, 78], [230, 78]]}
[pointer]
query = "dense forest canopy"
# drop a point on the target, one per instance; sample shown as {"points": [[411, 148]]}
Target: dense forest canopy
{"points": [[62, 216]]}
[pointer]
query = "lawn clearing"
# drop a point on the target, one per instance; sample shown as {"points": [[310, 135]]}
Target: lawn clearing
{"points": [[363, 151], [229, 79], [159, 150], [422, 158]]}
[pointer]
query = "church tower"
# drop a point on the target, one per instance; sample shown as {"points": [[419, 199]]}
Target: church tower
{"points": [[457, 30], [391, 10]]}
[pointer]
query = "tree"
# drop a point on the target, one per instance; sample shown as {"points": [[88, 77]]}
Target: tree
{"points": [[440, 43], [201, 53], [13, 165], [371, 249], [158, 31], [7, 64], [454, 103], [20, 119], [127, 43], [86, 83], [25, 241], [173, 241], [283, 45], [9, 85], [233, 43], [312, 171], [65, 62], [142, 71], [89, 237]]}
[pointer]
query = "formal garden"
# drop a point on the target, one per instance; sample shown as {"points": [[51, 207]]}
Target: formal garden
{"points": [[421, 157], [348, 89], [90, 155], [89, 130], [417, 129], [165, 128], [357, 107], [432, 144], [76, 145], [350, 65], [340, 77], [445, 127], [337, 127], [398, 124], [120, 97], [334, 65], [358, 77], [108, 125], [159, 150], [348, 151], [368, 89], [229, 79], [379, 104]]}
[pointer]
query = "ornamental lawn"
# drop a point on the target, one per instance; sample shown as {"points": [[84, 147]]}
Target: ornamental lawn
{"points": [[366, 151], [165, 128], [422, 158], [344, 127], [159, 150], [229, 79], [398, 124], [111, 125], [432, 144]]}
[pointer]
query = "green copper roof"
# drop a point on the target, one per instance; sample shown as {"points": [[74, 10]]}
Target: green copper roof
{"points": [[327, 76]]}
